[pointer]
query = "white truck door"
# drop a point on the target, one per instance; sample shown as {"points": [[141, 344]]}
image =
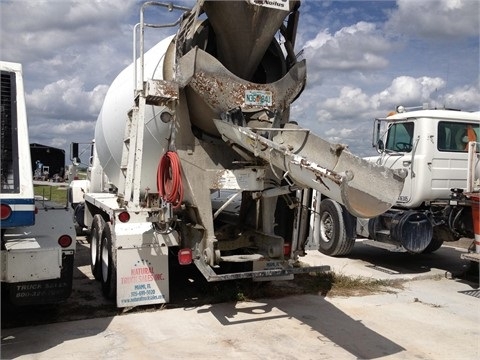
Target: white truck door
{"points": [[400, 147]]}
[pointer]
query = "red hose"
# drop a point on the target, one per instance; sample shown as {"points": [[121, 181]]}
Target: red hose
{"points": [[169, 179]]}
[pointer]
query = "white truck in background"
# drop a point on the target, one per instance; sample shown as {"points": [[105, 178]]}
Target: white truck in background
{"points": [[209, 111], [437, 148], [37, 236]]}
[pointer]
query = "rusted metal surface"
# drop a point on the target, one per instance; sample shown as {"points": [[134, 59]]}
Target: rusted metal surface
{"points": [[212, 89], [159, 92]]}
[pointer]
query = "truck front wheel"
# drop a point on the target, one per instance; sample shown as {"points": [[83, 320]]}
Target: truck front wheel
{"points": [[335, 229]]}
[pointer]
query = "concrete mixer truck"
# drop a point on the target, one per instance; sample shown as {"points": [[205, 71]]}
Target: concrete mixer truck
{"points": [[208, 110]]}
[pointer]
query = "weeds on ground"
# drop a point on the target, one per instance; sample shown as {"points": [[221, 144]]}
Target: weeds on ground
{"points": [[324, 284]]}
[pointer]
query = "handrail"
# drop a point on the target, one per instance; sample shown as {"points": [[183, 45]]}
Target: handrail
{"points": [[138, 84]]}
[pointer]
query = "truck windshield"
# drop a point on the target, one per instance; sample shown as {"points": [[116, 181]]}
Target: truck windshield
{"points": [[400, 137], [454, 136]]}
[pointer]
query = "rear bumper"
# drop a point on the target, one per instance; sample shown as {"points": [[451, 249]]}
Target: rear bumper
{"points": [[44, 291]]}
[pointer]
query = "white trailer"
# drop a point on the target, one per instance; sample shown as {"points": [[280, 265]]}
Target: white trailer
{"points": [[436, 147], [209, 111], [37, 236]]}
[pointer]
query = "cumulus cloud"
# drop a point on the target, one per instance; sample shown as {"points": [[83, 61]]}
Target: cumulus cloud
{"points": [[347, 116], [466, 97], [408, 91], [360, 46], [436, 18], [66, 98], [72, 50], [350, 101], [61, 133], [51, 27]]}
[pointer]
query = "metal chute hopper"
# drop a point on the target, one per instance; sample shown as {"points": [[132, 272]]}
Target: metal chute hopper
{"points": [[226, 84]]}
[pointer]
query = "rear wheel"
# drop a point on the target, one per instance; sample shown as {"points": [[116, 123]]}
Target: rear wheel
{"points": [[109, 264], [95, 241], [78, 221], [336, 232]]}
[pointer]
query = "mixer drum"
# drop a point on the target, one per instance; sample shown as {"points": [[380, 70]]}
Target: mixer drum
{"points": [[110, 127]]}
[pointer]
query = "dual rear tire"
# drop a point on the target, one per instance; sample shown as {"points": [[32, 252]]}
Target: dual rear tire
{"points": [[102, 255], [109, 262], [98, 225]]}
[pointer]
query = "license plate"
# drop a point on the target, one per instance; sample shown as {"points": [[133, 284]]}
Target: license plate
{"points": [[258, 98]]}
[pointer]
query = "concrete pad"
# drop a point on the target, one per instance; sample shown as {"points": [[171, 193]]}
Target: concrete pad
{"points": [[372, 262], [433, 317], [414, 323]]}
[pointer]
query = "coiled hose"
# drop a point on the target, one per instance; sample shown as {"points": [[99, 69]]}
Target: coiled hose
{"points": [[169, 179]]}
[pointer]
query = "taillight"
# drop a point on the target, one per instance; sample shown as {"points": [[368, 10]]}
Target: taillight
{"points": [[185, 256], [64, 241], [5, 211], [124, 217], [287, 249]]}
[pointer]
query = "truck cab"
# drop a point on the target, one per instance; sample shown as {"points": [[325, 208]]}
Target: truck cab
{"points": [[432, 146]]}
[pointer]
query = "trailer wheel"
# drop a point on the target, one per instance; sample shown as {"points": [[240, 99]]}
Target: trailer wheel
{"points": [[336, 229], [95, 242], [109, 264]]}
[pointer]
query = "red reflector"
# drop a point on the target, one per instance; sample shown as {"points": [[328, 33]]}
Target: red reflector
{"points": [[287, 249], [5, 211], [185, 256], [64, 241], [124, 217]]}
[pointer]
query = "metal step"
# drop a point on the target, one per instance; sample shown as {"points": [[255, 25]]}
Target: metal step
{"points": [[160, 92], [386, 246], [211, 276], [242, 258], [471, 256]]}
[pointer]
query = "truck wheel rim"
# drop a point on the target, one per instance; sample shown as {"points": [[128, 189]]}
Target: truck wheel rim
{"points": [[326, 227]]}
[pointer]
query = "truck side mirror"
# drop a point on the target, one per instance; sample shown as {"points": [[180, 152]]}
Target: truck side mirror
{"points": [[74, 152], [380, 146]]}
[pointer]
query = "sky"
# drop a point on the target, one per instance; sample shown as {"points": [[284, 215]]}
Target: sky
{"points": [[363, 59]]}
